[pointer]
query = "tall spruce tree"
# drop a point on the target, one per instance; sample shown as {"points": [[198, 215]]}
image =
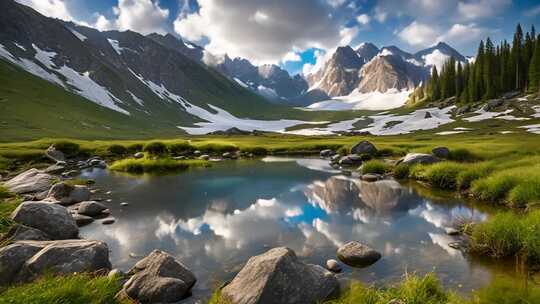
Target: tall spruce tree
{"points": [[488, 71], [534, 69], [517, 46]]}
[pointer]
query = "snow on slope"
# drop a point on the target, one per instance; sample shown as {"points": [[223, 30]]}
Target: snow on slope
{"points": [[364, 101], [78, 35], [116, 46]]}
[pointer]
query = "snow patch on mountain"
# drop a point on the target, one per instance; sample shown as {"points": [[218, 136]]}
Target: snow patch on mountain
{"points": [[532, 128], [334, 128], [364, 101], [80, 36], [20, 46], [136, 99], [482, 114], [116, 46], [436, 58], [267, 92], [240, 82]]}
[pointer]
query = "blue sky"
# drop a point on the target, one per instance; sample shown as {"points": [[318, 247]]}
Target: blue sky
{"points": [[295, 34]]}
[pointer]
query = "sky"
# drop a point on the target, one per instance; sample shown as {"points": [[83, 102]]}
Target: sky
{"points": [[299, 35]]}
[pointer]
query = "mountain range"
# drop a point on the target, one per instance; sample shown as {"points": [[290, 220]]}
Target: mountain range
{"points": [[164, 84]]}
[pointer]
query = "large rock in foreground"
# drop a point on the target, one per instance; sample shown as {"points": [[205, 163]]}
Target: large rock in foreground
{"points": [[32, 181], [52, 219], [158, 278], [277, 276], [356, 254], [364, 147], [419, 158], [25, 260]]}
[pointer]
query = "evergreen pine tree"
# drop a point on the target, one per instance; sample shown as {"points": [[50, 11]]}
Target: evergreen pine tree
{"points": [[534, 69], [517, 51], [459, 80], [488, 71], [435, 90]]}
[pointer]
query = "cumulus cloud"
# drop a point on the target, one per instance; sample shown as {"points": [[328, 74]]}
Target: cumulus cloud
{"points": [[423, 34], [260, 30], [50, 8], [418, 34], [363, 19], [143, 16], [292, 57], [473, 10]]}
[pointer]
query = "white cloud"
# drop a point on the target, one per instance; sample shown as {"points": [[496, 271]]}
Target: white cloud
{"points": [[336, 3], [320, 59], [418, 34], [104, 24], [363, 19], [143, 16], [380, 14], [347, 35], [292, 57], [460, 34], [261, 31], [473, 10], [50, 8]]}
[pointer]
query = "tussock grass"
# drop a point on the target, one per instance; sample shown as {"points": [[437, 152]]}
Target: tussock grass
{"points": [[73, 289], [375, 166], [117, 150], [180, 148], [8, 203], [155, 166], [155, 148], [412, 290], [508, 234], [506, 290]]}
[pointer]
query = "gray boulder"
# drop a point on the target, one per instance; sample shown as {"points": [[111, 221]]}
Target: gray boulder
{"points": [[371, 177], [24, 233], [419, 158], [13, 257], [65, 257], [441, 152], [351, 160], [82, 220], [54, 154], [277, 276], [67, 194], [32, 181], [158, 278], [364, 147], [57, 168], [138, 155], [91, 208], [326, 153], [356, 254], [52, 219]]}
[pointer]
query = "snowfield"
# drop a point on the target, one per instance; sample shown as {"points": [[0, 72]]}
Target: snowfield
{"points": [[364, 101]]}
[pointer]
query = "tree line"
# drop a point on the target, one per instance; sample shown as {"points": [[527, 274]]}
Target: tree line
{"points": [[495, 70]]}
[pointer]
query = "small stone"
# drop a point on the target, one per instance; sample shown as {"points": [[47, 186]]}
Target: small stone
{"points": [[370, 177], [108, 221], [124, 204], [138, 155], [333, 266]]}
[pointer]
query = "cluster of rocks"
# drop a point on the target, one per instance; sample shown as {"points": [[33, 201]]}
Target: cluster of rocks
{"points": [[437, 154], [68, 168]]}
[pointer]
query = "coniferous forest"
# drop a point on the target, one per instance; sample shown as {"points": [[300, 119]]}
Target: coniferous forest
{"points": [[495, 70]]}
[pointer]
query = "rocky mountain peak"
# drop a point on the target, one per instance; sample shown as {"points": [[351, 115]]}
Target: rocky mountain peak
{"points": [[347, 58], [367, 51]]}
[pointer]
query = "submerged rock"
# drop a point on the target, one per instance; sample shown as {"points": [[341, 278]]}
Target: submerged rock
{"points": [[277, 276], [364, 147], [158, 278], [53, 219], [356, 254]]}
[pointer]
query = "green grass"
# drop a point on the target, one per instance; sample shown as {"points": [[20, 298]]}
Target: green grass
{"points": [[412, 290], [376, 167], [155, 166], [506, 290], [73, 289], [508, 234], [8, 203]]}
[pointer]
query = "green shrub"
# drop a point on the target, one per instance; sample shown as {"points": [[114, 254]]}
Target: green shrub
{"points": [[401, 171], [155, 166], [180, 148], [444, 174], [117, 150], [73, 289], [70, 149], [462, 155], [500, 236], [258, 151], [134, 148], [217, 148], [155, 148], [376, 167]]}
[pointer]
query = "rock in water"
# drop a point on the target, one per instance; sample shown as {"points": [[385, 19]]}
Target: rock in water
{"points": [[364, 147], [52, 219], [91, 208], [277, 276], [31, 181], [356, 254], [67, 194], [333, 265], [326, 153], [419, 158], [441, 152], [158, 278], [55, 155]]}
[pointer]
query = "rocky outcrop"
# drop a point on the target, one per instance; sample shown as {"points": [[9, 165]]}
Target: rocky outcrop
{"points": [[32, 181], [67, 194], [277, 276], [356, 254], [26, 260], [158, 278], [364, 147], [52, 219], [419, 158]]}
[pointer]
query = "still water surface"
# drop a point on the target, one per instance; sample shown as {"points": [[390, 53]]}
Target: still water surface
{"points": [[214, 219]]}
